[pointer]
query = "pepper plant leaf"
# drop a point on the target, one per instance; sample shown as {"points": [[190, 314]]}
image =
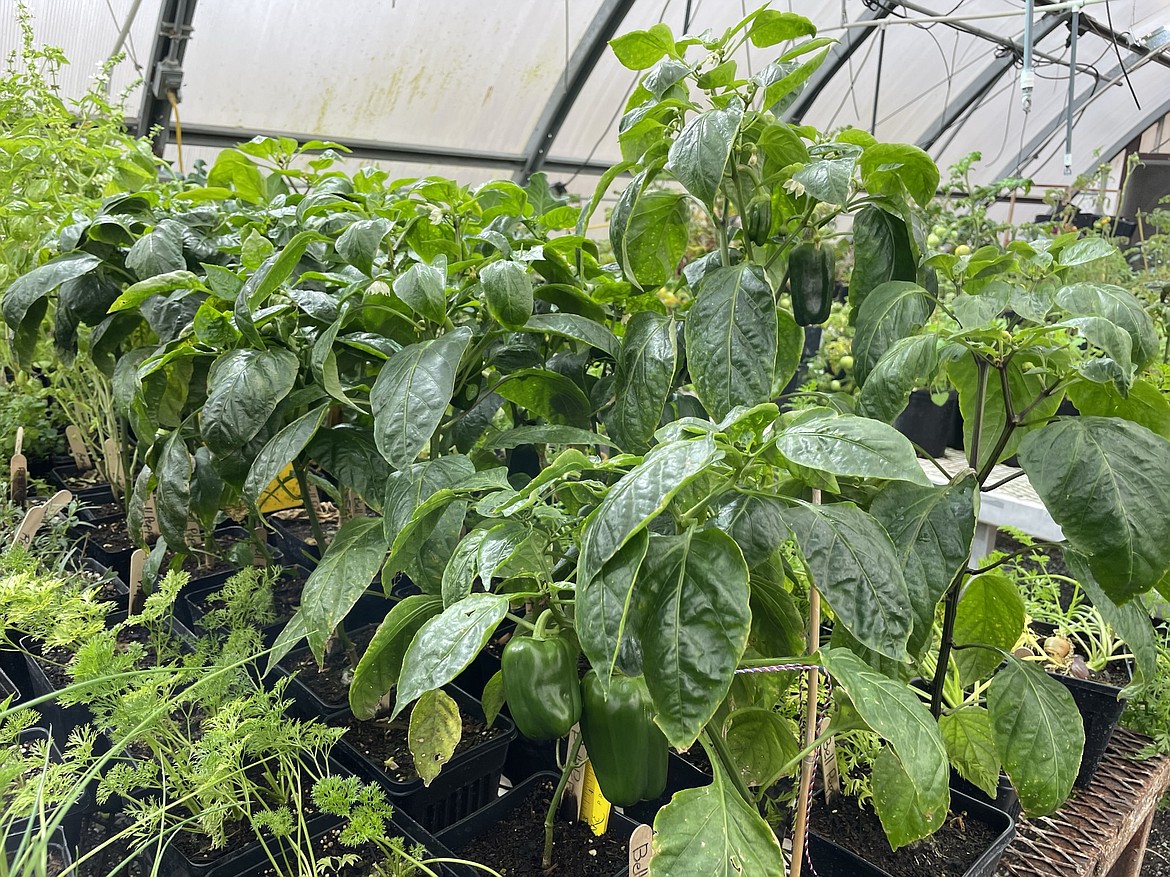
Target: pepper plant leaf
{"points": [[1103, 479], [698, 156], [244, 387], [377, 670], [645, 374], [1038, 732], [731, 339], [856, 567], [967, 735], [434, 732], [990, 613], [890, 312], [856, 447], [282, 449]]}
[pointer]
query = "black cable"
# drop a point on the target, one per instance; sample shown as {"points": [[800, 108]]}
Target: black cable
{"points": [[877, 80], [687, 18], [1125, 73]]}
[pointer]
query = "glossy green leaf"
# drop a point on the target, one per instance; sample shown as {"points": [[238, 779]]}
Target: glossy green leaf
{"points": [[360, 242], [423, 289], [971, 747], [412, 393], [655, 237], [888, 167], [991, 613], [695, 626], [159, 252], [754, 522], [856, 568], [1120, 307], [348, 453], [493, 698], [638, 497], [608, 617], [905, 816], [1084, 251], [139, 292], [1144, 404], [32, 287], [890, 312], [346, 569], [434, 732], [547, 394], [789, 349], [771, 27], [1103, 480], [641, 49], [282, 449], [827, 179], [761, 744], [731, 339], [578, 328], [547, 434], [783, 80], [507, 291], [461, 570], [932, 529], [712, 832], [847, 445], [446, 644], [907, 364], [894, 712], [243, 389], [645, 374], [1038, 734], [882, 253], [698, 156], [423, 518], [377, 670], [173, 493]]}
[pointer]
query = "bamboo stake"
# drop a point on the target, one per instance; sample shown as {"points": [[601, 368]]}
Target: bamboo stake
{"points": [[810, 727]]}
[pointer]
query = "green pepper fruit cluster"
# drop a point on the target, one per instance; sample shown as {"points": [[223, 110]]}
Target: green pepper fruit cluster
{"points": [[810, 276], [758, 219], [540, 682], [627, 749]]}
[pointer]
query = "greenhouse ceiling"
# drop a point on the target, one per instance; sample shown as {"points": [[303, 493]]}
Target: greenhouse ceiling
{"points": [[485, 88]]}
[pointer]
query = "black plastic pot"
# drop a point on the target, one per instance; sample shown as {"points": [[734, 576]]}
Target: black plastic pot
{"points": [[116, 560], [240, 860], [62, 477], [831, 860], [8, 688], [928, 425], [1006, 797], [29, 862], [1100, 706], [680, 774], [469, 781], [462, 833]]}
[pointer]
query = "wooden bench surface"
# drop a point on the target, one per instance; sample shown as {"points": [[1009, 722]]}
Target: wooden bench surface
{"points": [[1102, 829]]}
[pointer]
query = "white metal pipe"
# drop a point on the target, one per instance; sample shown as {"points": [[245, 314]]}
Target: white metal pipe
{"points": [[948, 19]]}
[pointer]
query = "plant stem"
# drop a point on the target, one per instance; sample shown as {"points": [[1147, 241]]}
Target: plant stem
{"points": [[306, 498], [555, 804], [980, 398], [950, 611]]}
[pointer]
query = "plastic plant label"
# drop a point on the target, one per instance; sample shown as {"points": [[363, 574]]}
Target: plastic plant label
{"points": [[77, 449], [830, 771], [641, 845], [283, 493], [595, 809]]}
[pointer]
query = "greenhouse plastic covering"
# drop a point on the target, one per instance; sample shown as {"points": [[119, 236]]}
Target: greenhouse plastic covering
{"points": [[465, 86]]}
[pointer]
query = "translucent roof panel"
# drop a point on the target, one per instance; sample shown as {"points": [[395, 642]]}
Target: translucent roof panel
{"points": [[88, 30], [459, 74]]}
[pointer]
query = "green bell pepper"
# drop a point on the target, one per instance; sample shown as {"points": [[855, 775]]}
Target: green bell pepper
{"points": [[810, 275], [628, 751], [540, 683]]}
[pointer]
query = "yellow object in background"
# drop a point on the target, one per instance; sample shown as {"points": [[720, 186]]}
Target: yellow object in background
{"points": [[283, 493], [594, 808]]}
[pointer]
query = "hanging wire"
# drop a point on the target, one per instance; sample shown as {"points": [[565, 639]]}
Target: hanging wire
{"points": [[1109, 20], [877, 80]]}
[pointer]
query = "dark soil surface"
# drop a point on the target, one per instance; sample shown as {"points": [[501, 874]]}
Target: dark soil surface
{"points": [[55, 661], [387, 745], [201, 564], [949, 852], [296, 524], [331, 683], [513, 846], [103, 842], [76, 479], [111, 536], [1157, 862], [329, 845], [104, 509]]}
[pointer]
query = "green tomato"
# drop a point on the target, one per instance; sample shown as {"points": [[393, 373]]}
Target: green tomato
{"points": [[835, 386], [933, 240], [939, 230], [962, 250], [786, 301], [846, 363]]}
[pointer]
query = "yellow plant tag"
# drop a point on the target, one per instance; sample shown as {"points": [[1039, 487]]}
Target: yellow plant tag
{"points": [[283, 493], [594, 808]]}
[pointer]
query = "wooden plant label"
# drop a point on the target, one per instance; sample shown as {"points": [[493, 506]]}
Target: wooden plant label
{"points": [[81, 458], [18, 472], [830, 771], [114, 466], [28, 527], [192, 533], [261, 538], [57, 501], [640, 848], [137, 562], [149, 518], [315, 499], [352, 507]]}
